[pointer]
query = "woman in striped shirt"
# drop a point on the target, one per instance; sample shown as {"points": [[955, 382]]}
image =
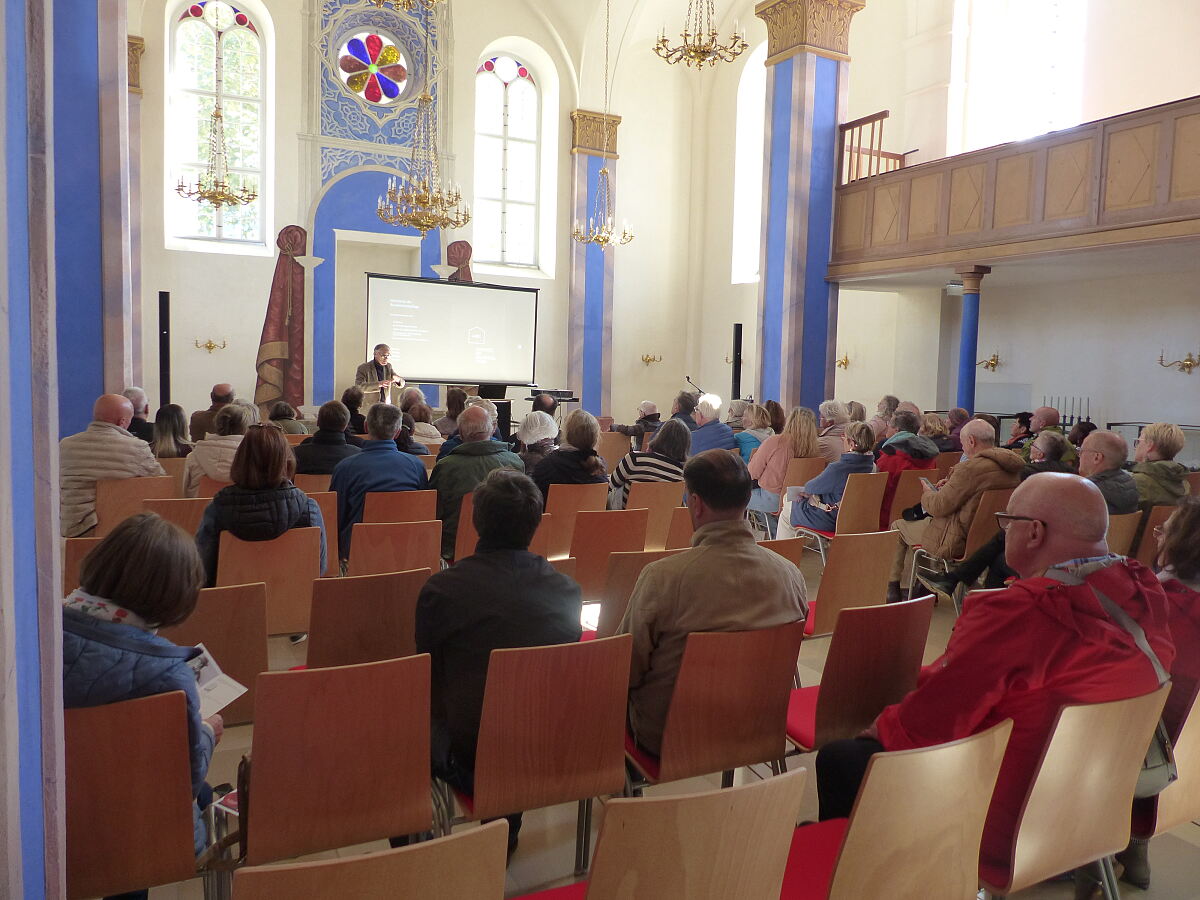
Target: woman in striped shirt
{"points": [[663, 461]]}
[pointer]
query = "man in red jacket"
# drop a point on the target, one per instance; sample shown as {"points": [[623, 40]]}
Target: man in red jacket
{"points": [[1022, 654]]}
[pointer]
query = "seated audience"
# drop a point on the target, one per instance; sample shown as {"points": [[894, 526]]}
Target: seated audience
{"points": [[648, 422], [952, 502], [711, 433], [203, 422], [725, 582], [170, 433], [1045, 418], [105, 450], [778, 415], [770, 463], [329, 445], [404, 439], [1101, 458], [410, 397], [500, 596], [465, 467], [576, 461], [139, 426], [991, 420], [911, 407], [1160, 480], [1021, 432], [682, 408], [1046, 453], [858, 412], [902, 449], [213, 456], [733, 418], [662, 461], [456, 402], [536, 438], [1022, 653], [815, 505], [352, 399], [1079, 431], [756, 428], [834, 417], [144, 576], [455, 439], [423, 429], [286, 418], [251, 410], [544, 403], [934, 428], [883, 415], [957, 418], [262, 503], [379, 467]]}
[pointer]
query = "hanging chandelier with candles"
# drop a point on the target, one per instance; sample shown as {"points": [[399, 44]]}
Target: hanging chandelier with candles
{"points": [[600, 228], [405, 5], [701, 41]]}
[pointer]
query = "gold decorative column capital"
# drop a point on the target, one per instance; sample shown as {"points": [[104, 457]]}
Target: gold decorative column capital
{"points": [[135, 46], [587, 133], [972, 277], [807, 26]]}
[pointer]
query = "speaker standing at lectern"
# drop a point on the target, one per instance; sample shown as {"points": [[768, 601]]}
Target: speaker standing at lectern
{"points": [[377, 377]]}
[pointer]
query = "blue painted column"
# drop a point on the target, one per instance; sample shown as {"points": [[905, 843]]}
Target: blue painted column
{"points": [[807, 86], [968, 342]]}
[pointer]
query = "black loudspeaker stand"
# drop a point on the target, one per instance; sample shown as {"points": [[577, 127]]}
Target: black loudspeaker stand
{"points": [[736, 393], [164, 348]]}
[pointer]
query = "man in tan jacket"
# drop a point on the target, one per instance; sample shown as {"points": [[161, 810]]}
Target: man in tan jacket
{"points": [[725, 582], [952, 503], [105, 450]]}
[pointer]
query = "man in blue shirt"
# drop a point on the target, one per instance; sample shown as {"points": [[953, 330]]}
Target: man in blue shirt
{"points": [[379, 467], [711, 433]]}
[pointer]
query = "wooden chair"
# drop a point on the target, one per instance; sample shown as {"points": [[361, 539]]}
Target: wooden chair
{"points": [[364, 619], [605, 423], [1067, 822], [209, 486], [661, 498], [75, 550], [469, 865], [599, 534], [466, 537], [119, 498], [564, 501], [173, 466], [941, 795], [1193, 480], [679, 537], [800, 471], [613, 447], [294, 440], [133, 831], [288, 565], [1147, 547], [856, 574], [729, 707], [715, 845], [564, 566], [400, 506], [983, 528], [429, 460], [232, 623], [908, 493], [327, 501], [874, 657], [1121, 532], [1179, 802], [312, 484], [184, 513], [946, 461], [624, 569], [378, 548], [551, 731], [791, 549], [858, 512]]}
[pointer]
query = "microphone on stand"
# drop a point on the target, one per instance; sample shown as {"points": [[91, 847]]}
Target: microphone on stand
{"points": [[688, 379]]}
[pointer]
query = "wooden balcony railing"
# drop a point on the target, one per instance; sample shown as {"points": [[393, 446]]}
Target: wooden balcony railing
{"points": [[860, 149]]}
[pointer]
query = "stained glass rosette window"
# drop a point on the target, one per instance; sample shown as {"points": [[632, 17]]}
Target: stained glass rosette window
{"points": [[373, 68]]}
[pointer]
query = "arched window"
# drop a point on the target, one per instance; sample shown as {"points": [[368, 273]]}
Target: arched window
{"points": [[749, 139], [507, 132], [217, 59]]}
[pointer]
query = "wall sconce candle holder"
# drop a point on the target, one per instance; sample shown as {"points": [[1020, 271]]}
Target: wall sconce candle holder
{"points": [[648, 358], [844, 362], [992, 363], [210, 345], [1184, 365]]}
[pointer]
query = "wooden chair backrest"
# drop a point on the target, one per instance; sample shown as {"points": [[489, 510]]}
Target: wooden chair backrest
{"points": [[209, 486], [340, 757], [646, 439], [946, 461], [857, 568], [364, 619], [614, 447], [791, 549], [466, 537], [400, 506], [133, 832], [74, 552], [1147, 548], [119, 498], [682, 846], [729, 707], [564, 501], [624, 569], [295, 439], [312, 484], [874, 657], [553, 725], [288, 565], [661, 498], [938, 847], [1067, 821], [800, 471], [1179, 803], [599, 534], [378, 548], [1121, 531], [983, 523], [232, 623], [1193, 480], [327, 501], [564, 566], [466, 865], [185, 513], [679, 537], [429, 460], [908, 492], [173, 466], [858, 512], [541, 538]]}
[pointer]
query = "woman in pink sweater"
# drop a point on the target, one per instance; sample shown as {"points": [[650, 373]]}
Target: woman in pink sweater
{"points": [[768, 466]]}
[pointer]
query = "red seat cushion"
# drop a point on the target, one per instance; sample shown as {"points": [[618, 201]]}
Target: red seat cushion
{"points": [[825, 534], [576, 891], [466, 801], [811, 621], [587, 636], [812, 859], [802, 716], [647, 762]]}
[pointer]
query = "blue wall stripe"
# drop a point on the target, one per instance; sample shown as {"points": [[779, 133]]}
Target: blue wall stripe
{"points": [[593, 306], [778, 205], [968, 348]]}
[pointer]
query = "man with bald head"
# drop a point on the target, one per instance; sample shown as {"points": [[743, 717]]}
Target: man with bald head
{"points": [[203, 420], [1101, 456], [952, 502], [1045, 418], [1046, 641], [105, 450]]}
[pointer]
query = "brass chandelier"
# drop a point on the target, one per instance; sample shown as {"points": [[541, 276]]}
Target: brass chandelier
{"points": [[701, 42], [600, 229], [405, 5]]}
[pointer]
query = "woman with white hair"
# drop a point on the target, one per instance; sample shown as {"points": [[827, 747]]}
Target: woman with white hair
{"points": [[536, 438]]}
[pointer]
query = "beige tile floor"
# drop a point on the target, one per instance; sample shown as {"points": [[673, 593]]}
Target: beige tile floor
{"points": [[547, 851]]}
